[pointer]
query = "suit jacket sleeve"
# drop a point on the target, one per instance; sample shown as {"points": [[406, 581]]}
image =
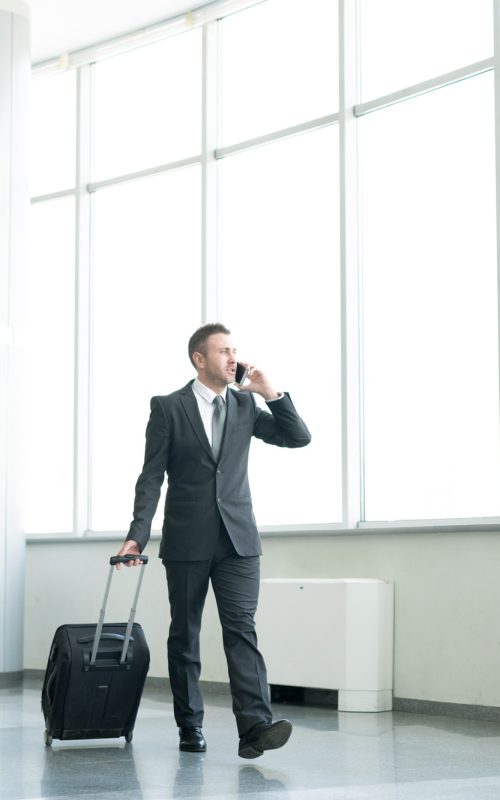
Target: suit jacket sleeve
{"points": [[283, 426], [149, 483]]}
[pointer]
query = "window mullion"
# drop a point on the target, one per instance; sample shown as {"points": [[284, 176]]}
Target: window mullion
{"points": [[352, 493], [81, 496], [496, 61], [210, 224]]}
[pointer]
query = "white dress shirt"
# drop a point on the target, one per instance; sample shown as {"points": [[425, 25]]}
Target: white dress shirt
{"points": [[204, 398]]}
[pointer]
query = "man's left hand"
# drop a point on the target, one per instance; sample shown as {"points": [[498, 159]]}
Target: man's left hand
{"points": [[258, 382]]}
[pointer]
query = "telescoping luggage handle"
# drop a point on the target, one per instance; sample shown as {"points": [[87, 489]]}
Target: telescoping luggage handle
{"points": [[113, 561]]}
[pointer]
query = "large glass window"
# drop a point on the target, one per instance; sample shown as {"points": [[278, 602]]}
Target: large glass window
{"points": [[280, 297], [146, 303], [50, 303], [53, 133], [404, 42], [268, 234], [430, 306], [279, 67], [147, 106]]}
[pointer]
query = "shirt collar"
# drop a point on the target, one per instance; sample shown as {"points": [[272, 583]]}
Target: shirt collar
{"points": [[207, 393]]}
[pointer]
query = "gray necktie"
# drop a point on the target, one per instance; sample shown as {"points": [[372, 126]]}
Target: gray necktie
{"points": [[218, 420]]}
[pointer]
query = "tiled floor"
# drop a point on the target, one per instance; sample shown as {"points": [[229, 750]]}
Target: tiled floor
{"points": [[331, 756]]}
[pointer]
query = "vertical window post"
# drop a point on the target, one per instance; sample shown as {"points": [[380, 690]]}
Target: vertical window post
{"points": [[209, 223], [350, 276], [81, 471]]}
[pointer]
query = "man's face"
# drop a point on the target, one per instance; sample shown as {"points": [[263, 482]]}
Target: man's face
{"points": [[218, 367]]}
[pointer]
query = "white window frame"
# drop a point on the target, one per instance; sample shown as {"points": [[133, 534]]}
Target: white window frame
{"points": [[350, 109]]}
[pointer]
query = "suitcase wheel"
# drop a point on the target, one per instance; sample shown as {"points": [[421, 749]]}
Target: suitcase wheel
{"points": [[47, 738], [128, 736]]}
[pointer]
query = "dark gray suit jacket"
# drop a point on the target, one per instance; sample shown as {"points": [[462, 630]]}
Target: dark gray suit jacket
{"points": [[199, 489]]}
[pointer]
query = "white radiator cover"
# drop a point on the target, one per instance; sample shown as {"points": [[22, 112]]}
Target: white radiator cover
{"points": [[330, 634]]}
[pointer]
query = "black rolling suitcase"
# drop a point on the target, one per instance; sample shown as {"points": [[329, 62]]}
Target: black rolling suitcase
{"points": [[95, 675]]}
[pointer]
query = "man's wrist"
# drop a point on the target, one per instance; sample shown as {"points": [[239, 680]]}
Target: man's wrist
{"points": [[272, 397], [133, 542]]}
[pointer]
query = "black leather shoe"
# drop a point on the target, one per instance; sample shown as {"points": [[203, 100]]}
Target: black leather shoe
{"points": [[192, 740], [265, 736]]}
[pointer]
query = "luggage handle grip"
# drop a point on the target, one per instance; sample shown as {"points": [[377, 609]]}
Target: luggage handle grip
{"points": [[125, 559], [120, 637]]}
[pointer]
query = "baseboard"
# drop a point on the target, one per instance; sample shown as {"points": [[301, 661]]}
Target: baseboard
{"points": [[436, 708], [408, 705], [155, 684], [34, 674], [207, 687], [11, 679]]}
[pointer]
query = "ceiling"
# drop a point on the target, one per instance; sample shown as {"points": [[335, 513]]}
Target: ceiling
{"points": [[62, 26]]}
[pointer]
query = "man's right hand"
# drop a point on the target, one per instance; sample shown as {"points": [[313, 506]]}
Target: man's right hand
{"points": [[130, 548]]}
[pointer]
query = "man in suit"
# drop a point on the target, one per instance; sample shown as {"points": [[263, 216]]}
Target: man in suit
{"points": [[200, 437]]}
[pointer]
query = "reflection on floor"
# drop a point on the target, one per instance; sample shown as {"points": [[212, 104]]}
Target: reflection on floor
{"points": [[331, 756]]}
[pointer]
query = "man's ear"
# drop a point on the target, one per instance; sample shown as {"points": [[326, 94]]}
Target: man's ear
{"points": [[199, 360]]}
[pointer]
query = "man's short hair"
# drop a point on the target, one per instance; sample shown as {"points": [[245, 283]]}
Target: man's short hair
{"points": [[198, 341]]}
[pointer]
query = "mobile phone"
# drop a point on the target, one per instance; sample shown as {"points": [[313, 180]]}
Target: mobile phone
{"points": [[241, 374]]}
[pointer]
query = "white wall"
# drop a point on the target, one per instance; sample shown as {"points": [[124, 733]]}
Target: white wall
{"points": [[14, 215], [447, 602]]}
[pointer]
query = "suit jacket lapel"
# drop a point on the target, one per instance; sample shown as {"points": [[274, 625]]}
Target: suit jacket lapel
{"points": [[190, 405], [231, 408]]}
